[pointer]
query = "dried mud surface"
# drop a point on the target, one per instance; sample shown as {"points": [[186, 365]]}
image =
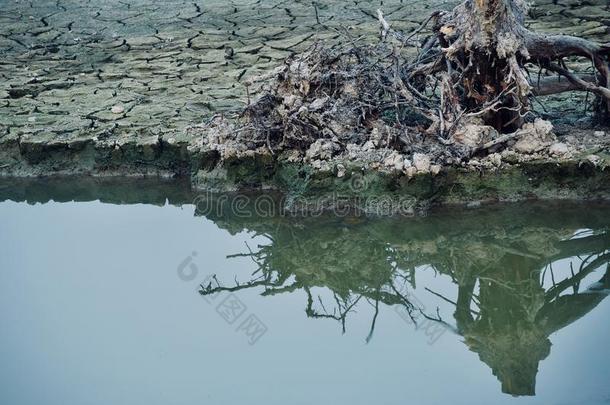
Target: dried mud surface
{"points": [[65, 64]]}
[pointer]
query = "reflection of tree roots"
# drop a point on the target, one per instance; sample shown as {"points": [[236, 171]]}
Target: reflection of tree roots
{"points": [[507, 320], [344, 307]]}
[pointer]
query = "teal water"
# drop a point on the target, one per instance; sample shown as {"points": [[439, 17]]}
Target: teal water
{"points": [[141, 299]]}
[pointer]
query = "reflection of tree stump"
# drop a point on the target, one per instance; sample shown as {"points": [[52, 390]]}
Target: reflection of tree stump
{"points": [[511, 332], [373, 262], [513, 357]]}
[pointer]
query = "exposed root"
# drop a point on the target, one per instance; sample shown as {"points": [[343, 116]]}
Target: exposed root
{"points": [[461, 89], [348, 95], [489, 53]]}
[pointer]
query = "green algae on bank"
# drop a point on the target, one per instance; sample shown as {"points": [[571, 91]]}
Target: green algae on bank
{"points": [[387, 193], [373, 191]]}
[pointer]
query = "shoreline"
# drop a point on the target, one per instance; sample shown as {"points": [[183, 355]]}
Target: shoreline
{"points": [[341, 184]]}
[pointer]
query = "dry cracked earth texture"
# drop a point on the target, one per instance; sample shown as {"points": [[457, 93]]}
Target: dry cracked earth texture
{"points": [[73, 69]]}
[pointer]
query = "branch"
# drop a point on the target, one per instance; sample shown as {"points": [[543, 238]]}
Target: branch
{"points": [[555, 85], [579, 82], [541, 47]]}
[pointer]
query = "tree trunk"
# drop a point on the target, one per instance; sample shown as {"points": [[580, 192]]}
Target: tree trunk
{"points": [[485, 47]]}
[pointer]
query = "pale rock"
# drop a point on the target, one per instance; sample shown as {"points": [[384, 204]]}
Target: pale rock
{"points": [[542, 127], [353, 150], [559, 149], [571, 139], [528, 145], [599, 133], [535, 136], [395, 161], [421, 162], [410, 171], [340, 170], [495, 159], [315, 150], [326, 167], [474, 134], [435, 169], [509, 155], [594, 159], [322, 149], [293, 156]]}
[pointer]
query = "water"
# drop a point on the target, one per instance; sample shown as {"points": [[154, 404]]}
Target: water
{"points": [[100, 302]]}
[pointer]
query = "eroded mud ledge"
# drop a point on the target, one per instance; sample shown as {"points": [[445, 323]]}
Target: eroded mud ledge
{"points": [[384, 191]]}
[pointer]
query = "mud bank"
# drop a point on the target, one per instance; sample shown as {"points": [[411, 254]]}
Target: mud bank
{"points": [[305, 185]]}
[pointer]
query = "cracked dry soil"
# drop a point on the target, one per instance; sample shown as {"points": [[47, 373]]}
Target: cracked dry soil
{"points": [[126, 78]]}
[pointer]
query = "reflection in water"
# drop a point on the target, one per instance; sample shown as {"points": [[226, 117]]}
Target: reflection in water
{"points": [[518, 273]]}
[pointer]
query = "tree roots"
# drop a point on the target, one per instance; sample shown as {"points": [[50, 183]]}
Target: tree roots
{"points": [[474, 66]]}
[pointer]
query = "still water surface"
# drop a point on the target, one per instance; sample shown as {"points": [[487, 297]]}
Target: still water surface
{"points": [[137, 300]]}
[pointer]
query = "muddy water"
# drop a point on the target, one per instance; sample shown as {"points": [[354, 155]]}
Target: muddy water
{"points": [[142, 299]]}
